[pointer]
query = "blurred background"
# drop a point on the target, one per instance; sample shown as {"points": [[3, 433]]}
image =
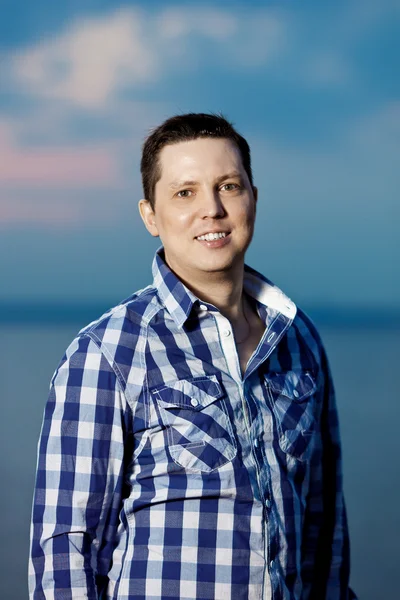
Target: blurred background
{"points": [[314, 88]]}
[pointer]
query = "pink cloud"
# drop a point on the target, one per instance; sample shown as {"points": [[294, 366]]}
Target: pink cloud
{"points": [[58, 166], [12, 213]]}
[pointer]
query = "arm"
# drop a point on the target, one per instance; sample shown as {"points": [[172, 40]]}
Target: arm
{"points": [[326, 548], [79, 477]]}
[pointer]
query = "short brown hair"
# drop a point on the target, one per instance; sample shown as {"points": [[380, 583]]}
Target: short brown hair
{"points": [[182, 128]]}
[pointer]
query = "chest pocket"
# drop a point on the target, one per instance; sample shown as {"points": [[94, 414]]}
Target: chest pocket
{"points": [[291, 395], [198, 429]]}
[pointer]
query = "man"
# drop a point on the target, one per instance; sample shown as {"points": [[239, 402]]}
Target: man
{"points": [[190, 444]]}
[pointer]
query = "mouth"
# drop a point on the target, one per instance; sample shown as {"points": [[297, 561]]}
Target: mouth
{"points": [[214, 240], [210, 237]]}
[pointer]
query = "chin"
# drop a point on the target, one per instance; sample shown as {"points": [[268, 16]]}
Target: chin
{"points": [[217, 264]]}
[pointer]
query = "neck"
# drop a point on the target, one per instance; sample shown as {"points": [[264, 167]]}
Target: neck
{"points": [[223, 289]]}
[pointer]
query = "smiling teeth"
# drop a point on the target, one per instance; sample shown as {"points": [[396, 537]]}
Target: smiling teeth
{"points": [[209, 237]]}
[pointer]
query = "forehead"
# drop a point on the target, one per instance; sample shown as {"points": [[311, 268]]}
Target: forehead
{"points": [[198, 159]]}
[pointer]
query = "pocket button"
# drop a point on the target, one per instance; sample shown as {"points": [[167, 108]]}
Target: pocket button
{"points": [[194, 402]]}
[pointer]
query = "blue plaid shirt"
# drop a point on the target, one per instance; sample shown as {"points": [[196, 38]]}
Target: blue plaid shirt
{"points": [[163, 473]]}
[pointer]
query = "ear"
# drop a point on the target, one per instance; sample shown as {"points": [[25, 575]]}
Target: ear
{"points": [[255, 193], [148, 217]]}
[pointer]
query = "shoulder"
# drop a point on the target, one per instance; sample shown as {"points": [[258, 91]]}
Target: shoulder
{"points": [[307, 327], [131, 312], [310, 337], [115, 339], [312, 340]]}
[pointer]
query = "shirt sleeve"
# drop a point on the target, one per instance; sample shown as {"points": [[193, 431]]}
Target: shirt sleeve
{"points": [[326, 546], [79, 477]]}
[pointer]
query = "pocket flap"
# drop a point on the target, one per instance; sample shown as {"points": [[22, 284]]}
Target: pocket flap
{"points": [[295, 385], [195, 393]]}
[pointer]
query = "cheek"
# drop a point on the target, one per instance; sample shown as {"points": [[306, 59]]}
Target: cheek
{"points": [[183, 218], [246, 215], [176, 221]]}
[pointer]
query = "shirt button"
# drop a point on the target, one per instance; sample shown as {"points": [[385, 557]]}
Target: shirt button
{"points": [[227, 332], [295, 393], [203, 307], [194, 402], [271, 564], [256, 443], [268, 503]]}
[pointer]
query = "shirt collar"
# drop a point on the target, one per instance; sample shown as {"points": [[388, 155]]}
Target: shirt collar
{"points": [[176, 297], [179, 300], [267, 293]]}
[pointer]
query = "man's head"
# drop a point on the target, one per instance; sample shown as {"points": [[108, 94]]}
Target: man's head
{"points": [[183, 128], [197, 181]]}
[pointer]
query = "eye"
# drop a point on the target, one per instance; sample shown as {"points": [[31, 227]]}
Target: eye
{"points": [[184, 193], [230, 186]]}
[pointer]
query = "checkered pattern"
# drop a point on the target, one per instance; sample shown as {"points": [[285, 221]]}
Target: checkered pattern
{"points": [[164, 474]]}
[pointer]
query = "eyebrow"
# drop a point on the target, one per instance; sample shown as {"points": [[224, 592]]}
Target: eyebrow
{"points": [[177, 184]]}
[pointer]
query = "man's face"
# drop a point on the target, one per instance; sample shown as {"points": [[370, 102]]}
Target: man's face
{"points": [[203, 190]]}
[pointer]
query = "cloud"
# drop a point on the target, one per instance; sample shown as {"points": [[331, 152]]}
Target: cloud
{"points": [[103, 78], [326, 69], [239, 39], [95, 59], [380, 134], [68, 167], [331, 216], [180, 22], [356, 171], [342, 196], [26, 212], [324, 45], [81, 211]]}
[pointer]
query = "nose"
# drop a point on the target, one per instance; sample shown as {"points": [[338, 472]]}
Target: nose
{"points": [[211, 205]]}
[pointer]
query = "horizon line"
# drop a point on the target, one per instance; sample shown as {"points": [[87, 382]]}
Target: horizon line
{"points": [[55, 312]]}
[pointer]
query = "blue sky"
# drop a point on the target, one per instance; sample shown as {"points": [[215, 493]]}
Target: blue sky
{"points": [[311, 85]]}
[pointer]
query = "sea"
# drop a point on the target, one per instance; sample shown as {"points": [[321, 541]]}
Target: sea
{"points": [[365, 362]]}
